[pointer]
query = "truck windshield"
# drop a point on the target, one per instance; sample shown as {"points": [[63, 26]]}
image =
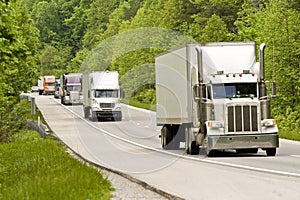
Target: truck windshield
{"points": [[74, 88], [234, 90], [50, 84], [106, 93]]}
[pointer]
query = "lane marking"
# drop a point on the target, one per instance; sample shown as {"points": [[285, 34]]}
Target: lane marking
{"points": [[296, 156], [204, 160]]}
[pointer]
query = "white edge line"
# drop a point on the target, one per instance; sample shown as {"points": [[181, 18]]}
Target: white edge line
{"points": [[296, 156], [184, 156]]}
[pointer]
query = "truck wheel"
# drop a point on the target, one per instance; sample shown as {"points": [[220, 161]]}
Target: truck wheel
{"points": [[194, 148], [271, 151], [166, 137], [93, 116], [86, 112], [118, 117], [211, 153]]}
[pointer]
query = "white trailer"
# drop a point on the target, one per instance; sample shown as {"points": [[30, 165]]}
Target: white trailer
{"points": [[213, 96], [101, 95]]}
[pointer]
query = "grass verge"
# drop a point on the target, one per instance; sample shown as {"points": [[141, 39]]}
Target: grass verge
{"points": [[139, 104], [35, 168]]}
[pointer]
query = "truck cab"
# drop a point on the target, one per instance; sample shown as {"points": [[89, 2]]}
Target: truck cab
{"points": [[215, 96], [101, 96], [49, 85], [237, 118], [71, 88]]}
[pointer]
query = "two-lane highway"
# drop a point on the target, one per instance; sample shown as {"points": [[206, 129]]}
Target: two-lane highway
{"points": [[132, 146]]}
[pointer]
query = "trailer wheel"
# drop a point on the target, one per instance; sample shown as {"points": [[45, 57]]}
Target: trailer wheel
{"points": [[271, 151], [166, 137], [194, 148]]}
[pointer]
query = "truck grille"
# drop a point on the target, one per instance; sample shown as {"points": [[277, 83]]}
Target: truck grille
{"points": [[242, 118], [74, 95], [107, 105]]}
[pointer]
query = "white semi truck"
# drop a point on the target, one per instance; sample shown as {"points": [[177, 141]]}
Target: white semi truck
{"points": [[71, 88], [214, 96], [101, 95]]}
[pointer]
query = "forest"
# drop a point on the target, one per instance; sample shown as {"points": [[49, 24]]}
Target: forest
{"points": [[42, 37]]}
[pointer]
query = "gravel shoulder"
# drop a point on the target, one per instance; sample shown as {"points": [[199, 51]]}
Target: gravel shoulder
{"points": [[127, 187]]}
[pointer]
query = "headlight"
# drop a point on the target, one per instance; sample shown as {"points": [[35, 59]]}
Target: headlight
{"points": [[269, 122], [95, 108]]}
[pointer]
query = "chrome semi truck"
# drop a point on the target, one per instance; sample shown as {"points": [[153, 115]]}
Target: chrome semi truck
{"points": [[71, 88], [214, 96]]}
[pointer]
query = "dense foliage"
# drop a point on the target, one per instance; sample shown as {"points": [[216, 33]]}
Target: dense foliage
{"points": [[111, 35], [19, 45], [35, 168]]}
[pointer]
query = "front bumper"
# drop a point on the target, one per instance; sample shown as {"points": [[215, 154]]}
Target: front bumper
{"points": [[72, 100], [242, 141], [107, 114]]}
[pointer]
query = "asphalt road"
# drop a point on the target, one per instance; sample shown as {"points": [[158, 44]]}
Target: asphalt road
{"points": [[132, 146]]}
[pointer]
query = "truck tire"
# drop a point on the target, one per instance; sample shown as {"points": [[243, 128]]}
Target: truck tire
{"points": [[93, 116], [271, 151], [118, 117], [86, 112], [211, 153], [166, 137], [194, 148], [172, 135]]}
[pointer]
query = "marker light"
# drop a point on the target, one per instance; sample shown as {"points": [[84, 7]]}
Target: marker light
{"points": [[215, 124]]}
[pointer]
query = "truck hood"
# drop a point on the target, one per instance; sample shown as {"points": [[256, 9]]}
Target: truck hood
{"points": [[107, 100]]}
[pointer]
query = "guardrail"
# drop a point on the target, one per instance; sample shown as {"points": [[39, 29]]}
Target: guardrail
{"points": [[39, 127]]}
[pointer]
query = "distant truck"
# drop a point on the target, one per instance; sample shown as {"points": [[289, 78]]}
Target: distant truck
{"points": [[71, 88], [214, 96], [49, 85], [57, 89], [41, 85], [101, 95]]}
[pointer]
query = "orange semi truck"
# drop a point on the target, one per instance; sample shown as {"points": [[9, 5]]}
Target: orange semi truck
{"points": [[49, 84]]}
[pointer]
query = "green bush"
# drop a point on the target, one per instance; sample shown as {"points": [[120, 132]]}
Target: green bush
{"points": [[13, 118], [289, 124]]}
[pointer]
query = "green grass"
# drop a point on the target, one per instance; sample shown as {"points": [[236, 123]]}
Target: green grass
{"points": [[36, 168], [289, 134], [139, 104]]}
